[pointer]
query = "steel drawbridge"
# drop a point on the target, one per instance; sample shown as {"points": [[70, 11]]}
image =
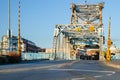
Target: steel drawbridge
{"points": [[85, 28]]}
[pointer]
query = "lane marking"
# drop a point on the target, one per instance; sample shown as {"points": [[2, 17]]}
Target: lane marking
{"points": [[98, 76], [78, 78], [98, 71], [108, 74]]}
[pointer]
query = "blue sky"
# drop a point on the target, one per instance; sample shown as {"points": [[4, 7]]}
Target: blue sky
{"points": [[38, 18]]}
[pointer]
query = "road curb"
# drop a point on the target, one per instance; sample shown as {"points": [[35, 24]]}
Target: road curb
{"points": [[112, 65]]}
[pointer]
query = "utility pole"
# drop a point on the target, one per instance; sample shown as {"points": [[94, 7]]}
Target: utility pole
{"points": [[19, 38], [109, 42], [9, 29]]}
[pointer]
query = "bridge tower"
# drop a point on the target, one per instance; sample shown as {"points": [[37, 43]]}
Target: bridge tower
{"points": [[85, 28]]}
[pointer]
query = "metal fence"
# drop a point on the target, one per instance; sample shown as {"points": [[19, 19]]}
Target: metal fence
{"points": [[35, 56]]}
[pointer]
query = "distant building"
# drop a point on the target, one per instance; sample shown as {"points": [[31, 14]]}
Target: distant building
{"points": [[4, 45], [48, 50], [26, 45], [114, 49]]}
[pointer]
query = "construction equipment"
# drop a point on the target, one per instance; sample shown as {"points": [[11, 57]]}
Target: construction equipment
{"points": [[109, 42], [85, 32]]}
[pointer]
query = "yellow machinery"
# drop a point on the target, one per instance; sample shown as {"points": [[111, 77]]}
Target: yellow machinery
{"points": [[109, 42], [19, 42]]}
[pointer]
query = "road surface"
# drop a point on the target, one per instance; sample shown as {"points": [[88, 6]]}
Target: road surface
{"points": [[59, 70]]}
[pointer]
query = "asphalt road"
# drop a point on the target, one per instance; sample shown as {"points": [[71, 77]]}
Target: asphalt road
{"points": [[59, 70]]}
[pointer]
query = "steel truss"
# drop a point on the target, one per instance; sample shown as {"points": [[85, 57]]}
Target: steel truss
{"points": [[83, 17]]}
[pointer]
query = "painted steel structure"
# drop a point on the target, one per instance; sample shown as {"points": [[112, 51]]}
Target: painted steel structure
{"points": [[85, 27], [19, 37], [109, 42]]}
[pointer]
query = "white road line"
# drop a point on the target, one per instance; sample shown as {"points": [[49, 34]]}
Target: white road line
{"points": [[98, 76], [78, 78], [113, 72], [98, 71], [108, 74]]}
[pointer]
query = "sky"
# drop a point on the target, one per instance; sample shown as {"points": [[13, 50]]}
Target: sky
{"points": [[38, 18]]}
